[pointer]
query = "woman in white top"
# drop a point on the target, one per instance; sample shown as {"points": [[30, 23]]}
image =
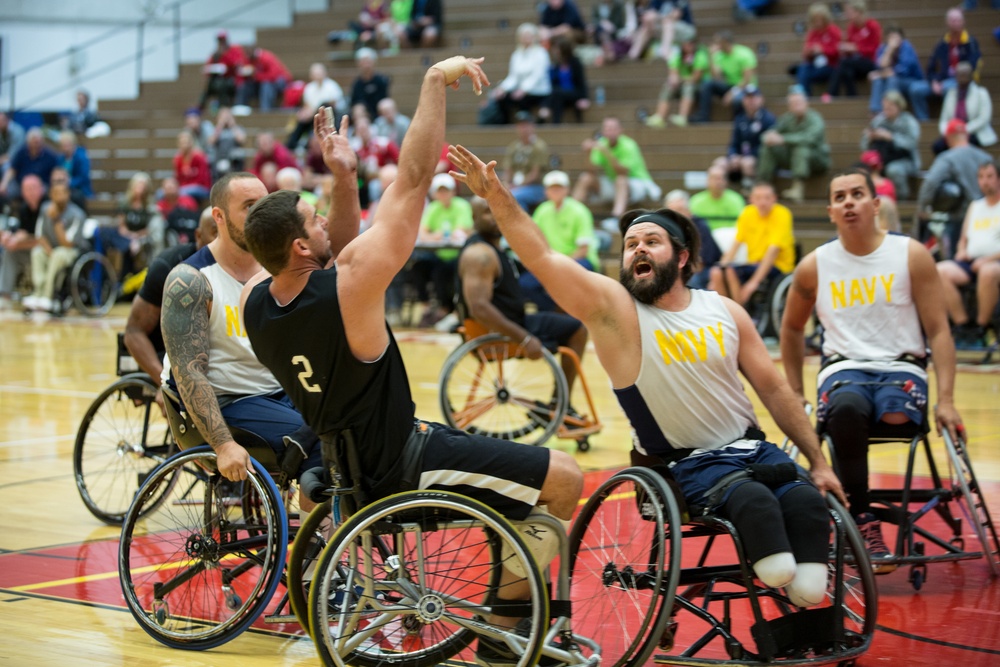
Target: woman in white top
{"points": [[321, 90], [527, 83]]}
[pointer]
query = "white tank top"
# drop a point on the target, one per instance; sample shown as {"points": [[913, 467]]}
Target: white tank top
{"points": [[865, 304], [689, 359], [983, 231]]}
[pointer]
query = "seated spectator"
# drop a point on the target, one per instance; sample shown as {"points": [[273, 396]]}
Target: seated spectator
{"points": [[765, 228], [898, 68], [955, 47], [320, 91], [686, 69], [194, 176], [525, 161], [425, 25], [171, 198], [708, 252], [74, 159], [314, 169], [569, 85], [718, 206], [266, 78], [32, 158], [226, 150], [374, 25], [733, 67], [796, 142], [976, 258], [895, 135], [179, 212], [370, 87], [857, 51], [390, 124], [290, 178], [884, 188], [374, 152], [617, 171], [527, 83], [560, 19], [58, 236], [222, 72], [821, 49], [199, 128], [612, 23], [83, 118], [744, 146], [11, 139], [138, 225], [18, 238], [968, 102], [270, 151], [670, 19]]}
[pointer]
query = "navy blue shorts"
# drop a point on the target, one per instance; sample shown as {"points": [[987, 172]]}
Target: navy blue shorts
{"points": [[272, 417], [888, 392], [697, 474], [553, 329], [745, 271], [967, 267]]}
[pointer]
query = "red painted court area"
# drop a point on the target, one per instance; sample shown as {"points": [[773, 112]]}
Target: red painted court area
{"points": [[953, 620]]}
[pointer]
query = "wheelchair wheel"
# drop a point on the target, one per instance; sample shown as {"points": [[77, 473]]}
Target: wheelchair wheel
{"points": [[624, 564], [487, 389], [195, 571], [972, 506], [851, 589], [413, 579], [310, 540], [93, 284], [122, 437], [777, 300]]}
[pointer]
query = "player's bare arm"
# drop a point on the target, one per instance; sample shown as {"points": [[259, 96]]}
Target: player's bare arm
{"points": [[798, 309]]}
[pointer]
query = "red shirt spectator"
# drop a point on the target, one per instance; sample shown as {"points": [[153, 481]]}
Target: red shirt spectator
{"points": [[268, 150], [268, 67], [373, 152], [823, 40], [867, 37], [230, 55], [194, 177], [172, 199]]}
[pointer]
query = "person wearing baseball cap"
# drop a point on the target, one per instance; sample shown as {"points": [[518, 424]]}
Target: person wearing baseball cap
{"points": [[223, 71]]}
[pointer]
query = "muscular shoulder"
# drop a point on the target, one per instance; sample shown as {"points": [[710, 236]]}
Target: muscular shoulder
{"points": [[478, 258], [186, 289]]}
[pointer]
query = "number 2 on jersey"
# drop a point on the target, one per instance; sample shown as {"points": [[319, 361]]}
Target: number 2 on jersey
{"points": [[307, 372]]}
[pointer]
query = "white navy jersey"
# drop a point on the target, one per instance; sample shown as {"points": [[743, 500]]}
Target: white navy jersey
{"points": [[983, 231]]}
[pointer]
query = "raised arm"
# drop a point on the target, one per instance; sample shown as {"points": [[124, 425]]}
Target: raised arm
{"points": [[345, 207], [187, 300], [798, 308]]}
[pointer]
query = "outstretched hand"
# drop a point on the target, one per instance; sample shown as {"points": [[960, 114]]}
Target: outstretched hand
{"points": [[481, 178], [338, 155], [456, 67]]}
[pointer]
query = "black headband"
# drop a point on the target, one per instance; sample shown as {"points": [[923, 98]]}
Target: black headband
{"points": [[671, 227]]}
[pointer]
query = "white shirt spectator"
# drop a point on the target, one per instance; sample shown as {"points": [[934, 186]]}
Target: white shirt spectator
{"points": [[529, 71], [327, 91]]}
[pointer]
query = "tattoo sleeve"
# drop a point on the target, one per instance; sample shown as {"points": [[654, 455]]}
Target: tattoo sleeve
{"points": [[186, 302]]}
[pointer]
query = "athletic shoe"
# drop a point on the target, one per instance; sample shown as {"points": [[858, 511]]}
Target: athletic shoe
{"points": [[679, 120], [871, 531], [656, 121]]}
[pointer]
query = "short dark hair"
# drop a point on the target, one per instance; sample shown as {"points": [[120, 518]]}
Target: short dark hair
{"points": [[219, 195], [272, 225], [855, 171], [691, 242], [990, 163]]}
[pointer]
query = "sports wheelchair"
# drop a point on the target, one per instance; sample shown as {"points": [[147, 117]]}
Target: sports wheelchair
{"points": [[487, 386], [646, 570], [951, 499]]}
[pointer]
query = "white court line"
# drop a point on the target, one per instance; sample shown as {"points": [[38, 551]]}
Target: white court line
{"points": [[38, 391], [49, 439]]}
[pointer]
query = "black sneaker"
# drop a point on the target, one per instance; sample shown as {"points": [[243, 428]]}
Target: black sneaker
{"points": [[871, 531], [492, 653]]}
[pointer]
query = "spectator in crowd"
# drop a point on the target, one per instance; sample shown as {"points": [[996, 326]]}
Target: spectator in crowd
{"points": [[290, 178], [718, 206], [708, 252], [373, 152], [11, 139], [525, 161], [527, 84], [83, 117], [569, 84], [171, 198], [796, 142], [58, 236], [955, 47], [194, 176], [320, 91], [568, 226], [857, 51], [390, 124], [895, 135], [226, 146], [821, 49], [744, 146], [198, 127], [968, 102], [32, 158], [17, 240], [374, 25], [138, 225], [884, 188], [561, 19], [612, 23], [746, 10], [617, 171], [314, 169], [685, 71], [74, 159], [733, 68], [426, 23], [898, 68], [370, 87], [765, 228], [270, 151], [222, 72], [976, 258], [670, 19], [266, 78]]}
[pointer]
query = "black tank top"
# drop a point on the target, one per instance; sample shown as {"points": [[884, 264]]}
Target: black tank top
{"points": [[507, 295], [305, 346]]}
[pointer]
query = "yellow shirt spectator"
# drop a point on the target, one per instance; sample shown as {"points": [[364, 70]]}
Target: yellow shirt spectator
{"points": [[759, 232]]}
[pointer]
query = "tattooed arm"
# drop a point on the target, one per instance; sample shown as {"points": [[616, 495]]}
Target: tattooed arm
{"points": [[187, 301]]}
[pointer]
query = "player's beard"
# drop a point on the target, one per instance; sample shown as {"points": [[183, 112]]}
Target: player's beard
{"points": [[235, 233], [665, 274]]}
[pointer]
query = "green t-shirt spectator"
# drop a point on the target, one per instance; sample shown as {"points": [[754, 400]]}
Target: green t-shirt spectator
{"points": [[627, 152], [698, 64], [568, 227], [733, 64], [400, 10], [718, 213], [437, 219]]}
